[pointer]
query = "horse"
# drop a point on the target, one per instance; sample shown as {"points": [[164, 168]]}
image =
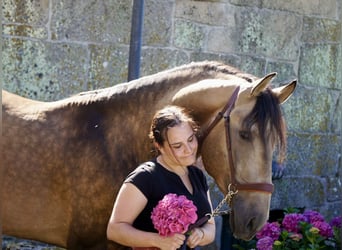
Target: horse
{"points": [[64, 161]]}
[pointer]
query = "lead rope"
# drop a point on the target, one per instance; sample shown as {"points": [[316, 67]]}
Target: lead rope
{"points": [[227, 199]]}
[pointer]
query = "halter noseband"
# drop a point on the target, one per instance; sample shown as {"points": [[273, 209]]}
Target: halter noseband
{"points": [[225, 113]]}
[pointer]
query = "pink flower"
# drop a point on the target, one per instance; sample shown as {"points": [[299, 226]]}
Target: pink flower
{"points": [[324, 228], [173, 214], [265, 243], [312, 216], [271, 230], [291, 222]]}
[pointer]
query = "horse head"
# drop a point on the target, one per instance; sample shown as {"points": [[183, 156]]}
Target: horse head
{"points": [[254, 130]]}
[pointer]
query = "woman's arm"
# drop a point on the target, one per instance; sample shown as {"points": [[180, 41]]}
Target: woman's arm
{"points": [[128, 205]]}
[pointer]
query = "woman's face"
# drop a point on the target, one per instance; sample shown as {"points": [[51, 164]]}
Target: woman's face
{"points": [[181, 146]]}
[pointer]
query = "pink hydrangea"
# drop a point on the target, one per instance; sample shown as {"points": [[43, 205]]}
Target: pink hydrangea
{"points": [[312, 216], [265, 243], [173, 214], [324, 228], [271, 230], [291, 222]]}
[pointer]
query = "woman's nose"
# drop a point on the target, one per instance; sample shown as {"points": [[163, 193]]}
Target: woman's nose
{"points": [[187, 148]]}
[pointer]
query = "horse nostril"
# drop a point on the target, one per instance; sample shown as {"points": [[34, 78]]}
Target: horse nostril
{"points": [[251, 225]]}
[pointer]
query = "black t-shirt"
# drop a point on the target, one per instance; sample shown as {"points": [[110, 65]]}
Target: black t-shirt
{"points": [[154, 181]]}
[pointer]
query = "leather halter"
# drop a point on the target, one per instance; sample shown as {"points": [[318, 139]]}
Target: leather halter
{"points": [[225, 113]]}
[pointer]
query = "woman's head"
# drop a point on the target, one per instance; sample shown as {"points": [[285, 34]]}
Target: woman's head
{"points": [[174, 133], [169, 117]]}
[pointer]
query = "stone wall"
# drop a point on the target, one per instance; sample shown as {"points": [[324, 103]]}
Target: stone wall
{"points": [[53, 49]]}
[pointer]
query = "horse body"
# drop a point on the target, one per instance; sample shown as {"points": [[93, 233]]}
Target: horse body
{"points": [[63, 162]]}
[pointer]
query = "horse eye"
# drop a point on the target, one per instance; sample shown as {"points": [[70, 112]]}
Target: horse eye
{"points": [[245, 135]]}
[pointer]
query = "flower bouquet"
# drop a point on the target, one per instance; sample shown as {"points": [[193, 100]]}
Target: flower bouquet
{"points": [[173, 214], [307, 230]]}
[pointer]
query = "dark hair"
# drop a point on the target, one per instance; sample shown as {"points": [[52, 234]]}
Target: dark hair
{"points": [[169, 117]]}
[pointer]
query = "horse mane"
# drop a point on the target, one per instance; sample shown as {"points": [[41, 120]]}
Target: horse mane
{"points": [[267, 112], [195, 71]]}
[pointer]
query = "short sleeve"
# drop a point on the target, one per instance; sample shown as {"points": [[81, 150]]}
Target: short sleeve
{"points": [[141, 178]]}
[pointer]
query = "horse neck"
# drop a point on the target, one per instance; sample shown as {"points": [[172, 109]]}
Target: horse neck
{"points": [[161, 85]]}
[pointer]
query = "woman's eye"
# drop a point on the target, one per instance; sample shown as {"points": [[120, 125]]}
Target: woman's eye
{"points": [[245, 135], [191, 139]]}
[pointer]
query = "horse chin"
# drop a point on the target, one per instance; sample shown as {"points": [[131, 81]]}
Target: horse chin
{"points": [[241, 234], [246, 221]]}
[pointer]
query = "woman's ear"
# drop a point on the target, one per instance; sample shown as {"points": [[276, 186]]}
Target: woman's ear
{"points": [[157, 146]]}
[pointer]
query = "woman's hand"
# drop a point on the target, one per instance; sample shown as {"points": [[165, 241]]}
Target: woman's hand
{"points": [[171, 242], [196, 236]]}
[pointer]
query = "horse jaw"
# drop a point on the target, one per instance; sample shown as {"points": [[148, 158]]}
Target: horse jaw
{"points": [[252, 206]]}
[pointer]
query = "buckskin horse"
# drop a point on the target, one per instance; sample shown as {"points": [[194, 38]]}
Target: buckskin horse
{"points": [[64, 161]]}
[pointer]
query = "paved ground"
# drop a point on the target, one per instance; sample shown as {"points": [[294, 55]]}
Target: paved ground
{"points": [[10, 243]]}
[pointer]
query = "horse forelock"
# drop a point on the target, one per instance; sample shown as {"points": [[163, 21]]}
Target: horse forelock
{"points": [[267, 112]]}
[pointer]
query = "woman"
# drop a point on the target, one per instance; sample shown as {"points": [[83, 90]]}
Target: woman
{"points": [[173, 133]]}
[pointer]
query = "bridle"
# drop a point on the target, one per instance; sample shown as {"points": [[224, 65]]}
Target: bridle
{"points": [[234, 186]]}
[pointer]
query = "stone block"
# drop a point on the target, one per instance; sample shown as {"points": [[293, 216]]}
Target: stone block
{"points": [[331, 210], [326, 8], [91, 21], [157, 29], [298, 192], [205, 12], [318, 30], [285, 71], [312, 154], [222, 40], [154, 60], [27, 31], [108, 65], [252, 3], [269, 34], [318, 65], [312, 110], [43, 71], [253, 65], [258, 32], [25, 12], [334, 188], [188, 35]]}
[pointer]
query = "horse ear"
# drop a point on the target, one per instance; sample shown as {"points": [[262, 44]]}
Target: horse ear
{"points": [[284, 92], [261, 84]]}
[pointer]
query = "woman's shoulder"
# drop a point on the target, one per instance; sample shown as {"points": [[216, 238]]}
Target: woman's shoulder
{"points": [[144, 169], [142, 177], [148, 166]]}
